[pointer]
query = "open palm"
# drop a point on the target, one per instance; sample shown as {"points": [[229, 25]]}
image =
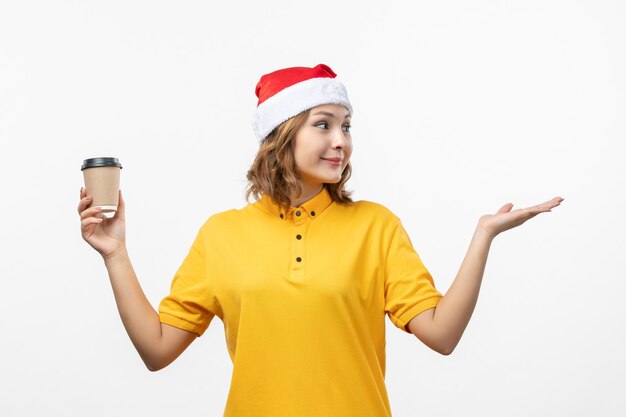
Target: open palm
{"points": [[505, 219]]}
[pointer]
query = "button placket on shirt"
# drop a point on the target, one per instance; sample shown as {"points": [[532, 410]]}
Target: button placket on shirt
{"points": [[300, 223]]}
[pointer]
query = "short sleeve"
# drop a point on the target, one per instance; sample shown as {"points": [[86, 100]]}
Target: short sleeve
{"points": [[409, 287], [188, 306]]}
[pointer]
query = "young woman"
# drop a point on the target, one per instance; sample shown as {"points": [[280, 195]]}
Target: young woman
{"points": [[303, 277]]}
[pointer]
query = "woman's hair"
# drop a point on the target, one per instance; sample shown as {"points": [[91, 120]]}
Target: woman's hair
{"points": [[274, 170]]}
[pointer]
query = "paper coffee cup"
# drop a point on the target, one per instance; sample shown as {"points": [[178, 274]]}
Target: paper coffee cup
{"points": [[102, 182]]}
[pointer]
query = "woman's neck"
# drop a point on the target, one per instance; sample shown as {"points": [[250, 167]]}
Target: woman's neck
{"points": [[308, 192]]}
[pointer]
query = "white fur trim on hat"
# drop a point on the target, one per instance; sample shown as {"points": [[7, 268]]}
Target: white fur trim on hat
{"points": [[295, 99]]}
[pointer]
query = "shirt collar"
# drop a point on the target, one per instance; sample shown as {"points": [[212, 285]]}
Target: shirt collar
{"points": [[312, 208]]}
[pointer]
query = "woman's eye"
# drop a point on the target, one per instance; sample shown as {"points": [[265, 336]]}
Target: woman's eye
{"points": [[324, 125]]}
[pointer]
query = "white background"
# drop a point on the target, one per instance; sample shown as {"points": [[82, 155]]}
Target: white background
{"points": [[460, 107]]}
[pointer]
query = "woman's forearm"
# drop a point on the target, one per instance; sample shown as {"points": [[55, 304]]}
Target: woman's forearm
{"points": [[455, 309], [139, 317]]}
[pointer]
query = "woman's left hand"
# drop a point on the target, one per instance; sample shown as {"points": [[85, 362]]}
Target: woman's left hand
{"points": [[506, 219]]}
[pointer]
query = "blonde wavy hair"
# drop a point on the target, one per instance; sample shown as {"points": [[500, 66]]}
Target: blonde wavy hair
{"points": [[274, 170]]}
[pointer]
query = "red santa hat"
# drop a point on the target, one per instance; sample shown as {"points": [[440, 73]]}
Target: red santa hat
{"points": [[287, 92]]}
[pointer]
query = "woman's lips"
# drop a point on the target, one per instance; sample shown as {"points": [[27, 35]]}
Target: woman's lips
{"points": [[336, 162]]}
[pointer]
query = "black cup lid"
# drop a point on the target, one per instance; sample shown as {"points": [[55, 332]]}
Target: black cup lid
{"points": [[100, 162]]}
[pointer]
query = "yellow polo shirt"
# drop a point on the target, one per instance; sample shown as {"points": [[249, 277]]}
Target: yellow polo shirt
{"points": [[302, 295]]}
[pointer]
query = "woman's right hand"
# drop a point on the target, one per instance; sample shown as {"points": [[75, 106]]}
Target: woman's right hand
{"points": [[107, 236]]}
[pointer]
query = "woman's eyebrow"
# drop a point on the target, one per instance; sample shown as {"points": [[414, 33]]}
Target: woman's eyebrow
{"points": [[325, 113]]}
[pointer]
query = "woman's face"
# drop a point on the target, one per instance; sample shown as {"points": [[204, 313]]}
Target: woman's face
{"points": [[325, 136]]}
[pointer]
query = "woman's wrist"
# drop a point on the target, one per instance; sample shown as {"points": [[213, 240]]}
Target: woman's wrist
{"points": [[116, 256], [484, 232]]}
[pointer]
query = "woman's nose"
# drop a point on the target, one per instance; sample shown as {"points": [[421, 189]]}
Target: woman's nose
{"points": [[339, 138]]}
